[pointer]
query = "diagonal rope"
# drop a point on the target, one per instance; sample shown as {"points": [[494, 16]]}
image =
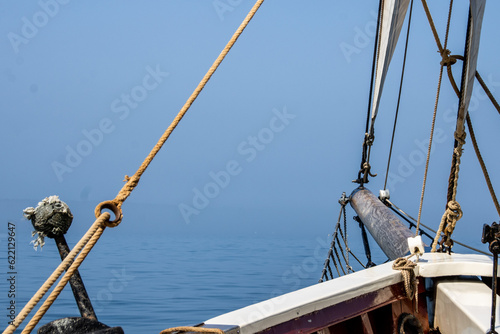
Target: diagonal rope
{"points": [[424, 182], [102, 219], [399, 95], [65, 264], [134, 179]]}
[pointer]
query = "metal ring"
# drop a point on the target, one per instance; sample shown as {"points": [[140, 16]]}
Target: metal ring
{"points": [[110, 205]]}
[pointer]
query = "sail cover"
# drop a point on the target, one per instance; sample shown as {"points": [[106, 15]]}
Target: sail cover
{"points": [[476, 15], [393, 15]]}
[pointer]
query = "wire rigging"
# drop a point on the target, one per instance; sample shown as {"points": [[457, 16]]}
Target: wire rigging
{"points": [[399, 95]]}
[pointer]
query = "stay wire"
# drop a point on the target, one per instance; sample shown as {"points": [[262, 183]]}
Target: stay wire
{"points": [[399, 95], [364, 154], [424, 182]]}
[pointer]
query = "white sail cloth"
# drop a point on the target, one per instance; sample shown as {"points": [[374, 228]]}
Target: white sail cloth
{"points": [[393, 15]]}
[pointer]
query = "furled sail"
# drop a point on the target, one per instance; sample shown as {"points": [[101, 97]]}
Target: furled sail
{"points": [[470, 63], [393, 15]]}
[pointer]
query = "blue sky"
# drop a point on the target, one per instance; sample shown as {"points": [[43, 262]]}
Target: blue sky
{"points": [[271, 143]]}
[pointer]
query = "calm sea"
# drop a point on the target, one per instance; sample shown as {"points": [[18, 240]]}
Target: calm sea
{"points": [[157, 282], [145, 279]]}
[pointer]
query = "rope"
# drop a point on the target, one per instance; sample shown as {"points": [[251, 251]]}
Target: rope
{"points": [[65, 264], [192, 329], [406, 267], [487, 91], [471, 130], [132, 181], [483, 166], [405, 216], [103, 218], [453, 212], [444, 54], [433, 27], [64, 280], [368, 138]]}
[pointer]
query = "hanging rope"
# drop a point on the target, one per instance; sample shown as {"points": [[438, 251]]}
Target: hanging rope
{"points": [[444, 53], [103, 218], [407, 267]]}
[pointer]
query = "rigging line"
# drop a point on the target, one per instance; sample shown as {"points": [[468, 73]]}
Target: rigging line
{"points": [[103, 218], [134, 180], [332, 244], [481, 162], [487, 91], [64, 265], [330, 270], [433, 27], [429, 150], [471, 131], [399, 95], [338, 257], [438, 92], [343, 254], [364, 153], [356, 258], [402, 214], [374, 63]]}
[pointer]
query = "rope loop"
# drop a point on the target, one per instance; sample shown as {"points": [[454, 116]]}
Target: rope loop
{"points": [[406, 266], [447, 59], [453, 214], [110, 205]]}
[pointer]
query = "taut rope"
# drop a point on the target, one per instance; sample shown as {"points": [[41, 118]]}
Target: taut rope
{"points": [[103, 218]]}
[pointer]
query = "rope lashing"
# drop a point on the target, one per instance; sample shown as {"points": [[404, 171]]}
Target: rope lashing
{"points": [[406, 266], [192, 329], [453, 212], [447, 59]]}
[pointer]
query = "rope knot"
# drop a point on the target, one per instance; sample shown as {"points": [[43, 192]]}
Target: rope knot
{"points": [[453, 214], [460, 137], [447, 59], [406, 267]]}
